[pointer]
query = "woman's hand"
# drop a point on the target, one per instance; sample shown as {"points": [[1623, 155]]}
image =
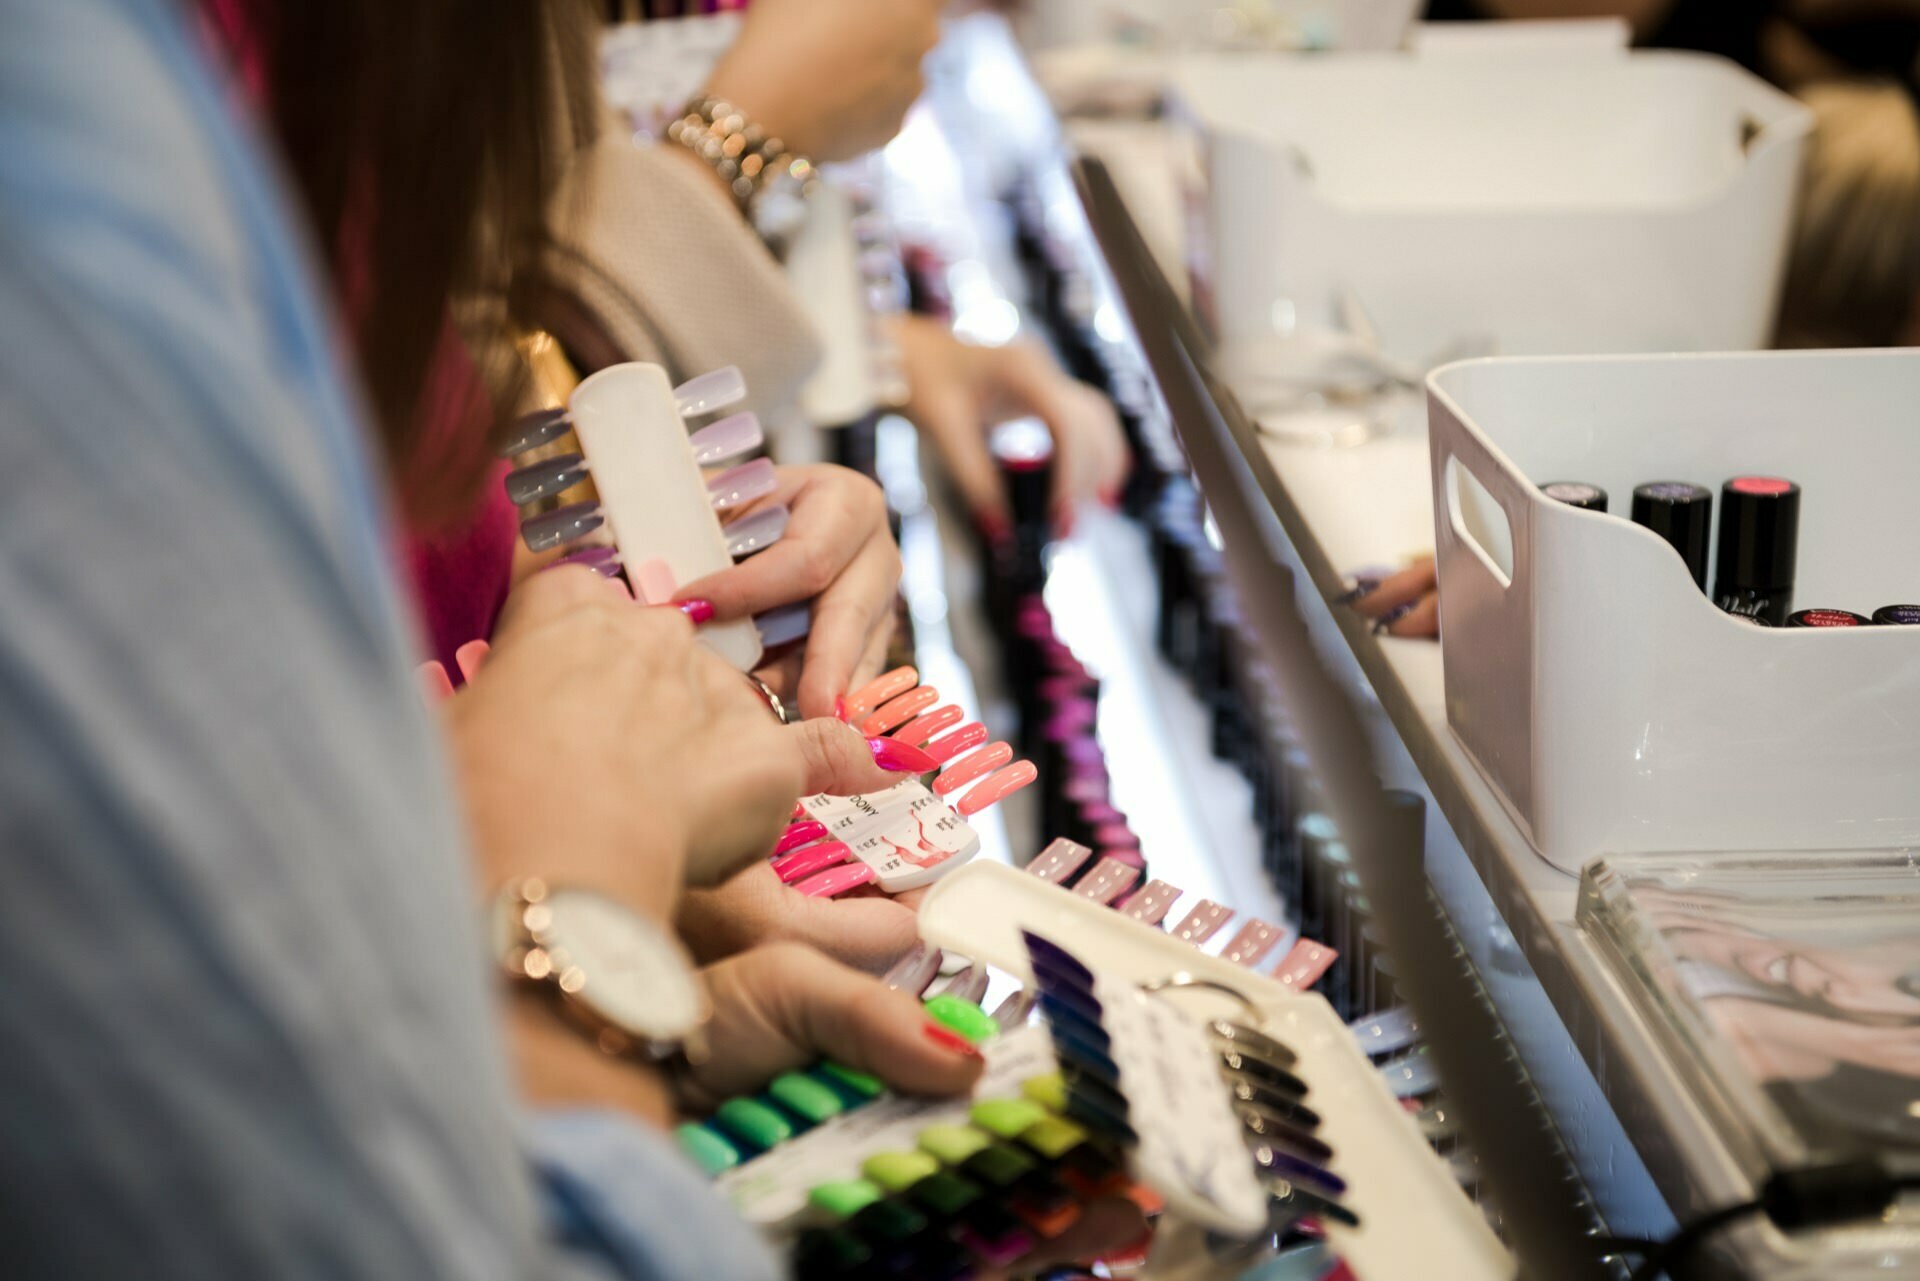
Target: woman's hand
{"points": [[957, 392], [865, 929], [838, 553], [831, 78], [1402, 604]]}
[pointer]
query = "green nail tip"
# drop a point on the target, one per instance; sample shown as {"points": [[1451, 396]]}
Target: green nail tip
{"points": [[898, 1171], [1006, 1117], [964, 1017], [1053, 1137], [1000, 1166], [954, 1143], [753, 1121], [1049, 1091], [890, 1221], [946, 1194], [867, 1087], [805, 1097], [845, 1198], [709, 1151]]}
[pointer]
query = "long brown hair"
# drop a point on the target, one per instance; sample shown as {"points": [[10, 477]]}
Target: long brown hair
{"points": [[425, 138]]}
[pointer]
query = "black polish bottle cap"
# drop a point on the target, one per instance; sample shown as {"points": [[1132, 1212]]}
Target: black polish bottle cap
{"points": [[1897, 615], [1759, 534], [1576, 493], [1682, 514]]}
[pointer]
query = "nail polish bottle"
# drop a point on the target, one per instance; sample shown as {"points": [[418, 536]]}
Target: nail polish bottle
{"points": [[1576, 493], [1682, 514], [1897, 616], [1826, 618], [1759, 544]]}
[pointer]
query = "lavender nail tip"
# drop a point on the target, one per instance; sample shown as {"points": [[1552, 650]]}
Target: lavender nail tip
{"points": [[784, 625], [536, 429], [543, 533], [546, 478], [601, 560], [711, 391], [729, 438], [740, 485], [757, 532]]}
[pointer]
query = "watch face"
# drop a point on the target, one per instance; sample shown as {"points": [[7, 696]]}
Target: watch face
{"points": [[635, 976]]}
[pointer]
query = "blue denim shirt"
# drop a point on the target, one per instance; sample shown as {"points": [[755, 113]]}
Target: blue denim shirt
{"points": [[245, 1022]]}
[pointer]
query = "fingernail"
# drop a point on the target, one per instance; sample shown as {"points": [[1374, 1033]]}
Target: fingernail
{"points": [[813, 859], [546, 478], [998, 788], [841, 712], [601, 560], [435, 684], [964, 739], [881, 688], [784, 625], [534, 430], [738, 486], [728, 438], [698, 610], [951, 1041], [575, 520], [1392, 616], [799, 834], [896, 712], [896, 757], [921, 729], [976, 766], [757, 532], [470, 656], [716, 390], [835, 880]]}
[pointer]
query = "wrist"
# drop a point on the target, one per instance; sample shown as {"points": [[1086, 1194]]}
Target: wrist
{"points": [[558, 1064]]}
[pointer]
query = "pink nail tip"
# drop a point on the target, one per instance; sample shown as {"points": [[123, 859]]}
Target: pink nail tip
{"points": [[896, 757], [964, 739], [837, 880], [881, 688], [470, 656], [898, 711], [920, 730], [976, 766], [812, 860], [727, 438], [998, 788], [800, 834], [740, 485]]}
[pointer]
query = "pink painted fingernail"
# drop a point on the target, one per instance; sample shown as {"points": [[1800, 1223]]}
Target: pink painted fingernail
{"points": [[470, 656], [964, 739], [841, 712], [896, 712], [973, 768], [799, 834], [881, 688], [698, 610], [998, 788], [738, 486], [801, 864], [435, 684], [836, 880], [920, 730], [799, 812], [896, 757]]}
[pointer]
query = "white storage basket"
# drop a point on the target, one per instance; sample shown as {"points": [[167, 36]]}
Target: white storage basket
{"points": [[1600, 692], [1582, 202]]}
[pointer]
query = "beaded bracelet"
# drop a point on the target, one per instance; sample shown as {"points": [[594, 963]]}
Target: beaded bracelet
{"points": [[767, 181]]}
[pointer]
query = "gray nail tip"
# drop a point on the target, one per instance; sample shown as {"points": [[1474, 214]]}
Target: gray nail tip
{"points": [[536, 429], [546, 478], [543, 533], [757, 532]]}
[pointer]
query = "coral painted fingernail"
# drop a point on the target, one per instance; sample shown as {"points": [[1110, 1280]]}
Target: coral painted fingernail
{"points": [[896, 712], [998, 788], [841, 712], [470, 656], [921, 729], [896, 757], [799, 834], [964, 739], [881, 688], [976, 766], [950, 1041], [698, 610]]}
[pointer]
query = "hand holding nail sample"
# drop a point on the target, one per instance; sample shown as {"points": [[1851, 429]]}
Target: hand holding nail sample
{"points": [[1403, 603]]}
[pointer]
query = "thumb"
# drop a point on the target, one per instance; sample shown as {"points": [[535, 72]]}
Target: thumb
{"points": [[838, 761], [855, 1019]]}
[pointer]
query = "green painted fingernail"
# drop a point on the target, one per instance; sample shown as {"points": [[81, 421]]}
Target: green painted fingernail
{"points": [[844, 1199], [964, 1017], [946, 1194], [1000, 1165], [898, 1171], [858, 1084], [1049, 1091], [953, 1143], [805, 1097], [754, 1122], [709, 1151], [1006, 1117], [1053, 1137]]}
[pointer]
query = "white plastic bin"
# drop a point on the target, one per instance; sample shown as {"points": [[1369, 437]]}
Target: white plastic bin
{"points": [[1609, 703], [1596, 201]]}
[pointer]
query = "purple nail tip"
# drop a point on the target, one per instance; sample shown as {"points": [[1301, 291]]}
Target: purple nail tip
{"points": [[757, 532], [784, 625], [743, 484]]}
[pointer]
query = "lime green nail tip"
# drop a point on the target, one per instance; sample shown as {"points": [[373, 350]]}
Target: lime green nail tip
{"points": [[805, 1097], [860, 1083], [754, 1122], [709, 1151], [1006, 1117], [1053, 1137], [1049, 1091], [898, 1171], [844, 1199], [964, 1017], [953, 1143]]}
